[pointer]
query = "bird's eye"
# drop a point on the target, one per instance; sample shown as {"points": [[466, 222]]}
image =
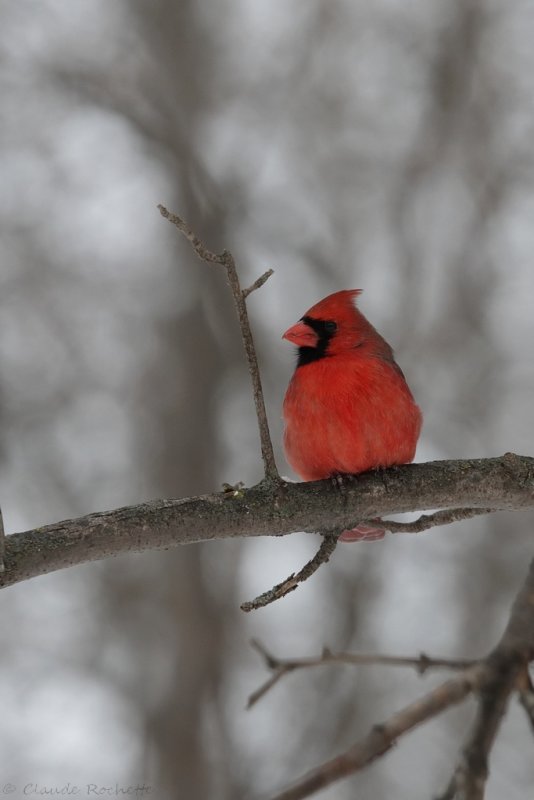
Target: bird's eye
{"points": [[330, 326]]}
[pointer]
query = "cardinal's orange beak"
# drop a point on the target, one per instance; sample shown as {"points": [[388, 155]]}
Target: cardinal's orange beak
{"points": [[301, 335]]}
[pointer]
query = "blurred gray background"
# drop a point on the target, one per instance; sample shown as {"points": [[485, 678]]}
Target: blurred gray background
{"points": [[385, 146]]}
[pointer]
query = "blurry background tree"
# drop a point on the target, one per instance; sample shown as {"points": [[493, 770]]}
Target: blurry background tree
{"points": [[382, 145]]}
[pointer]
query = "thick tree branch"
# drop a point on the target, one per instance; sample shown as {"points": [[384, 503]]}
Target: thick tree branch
{"points": [[269, 509]]}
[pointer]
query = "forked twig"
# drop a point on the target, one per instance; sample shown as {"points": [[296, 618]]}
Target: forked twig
{"points": [[283, 666], [328, 545], [226, 260]]}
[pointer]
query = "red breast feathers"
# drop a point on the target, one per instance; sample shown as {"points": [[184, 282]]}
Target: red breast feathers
{"points": [[348, 407]]}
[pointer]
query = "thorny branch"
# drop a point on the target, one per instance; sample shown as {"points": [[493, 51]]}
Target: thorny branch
{"points": [[283, 666], [226, 260]]}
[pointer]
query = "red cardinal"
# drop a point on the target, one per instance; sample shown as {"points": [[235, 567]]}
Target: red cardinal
{"points": [[348, 407]]}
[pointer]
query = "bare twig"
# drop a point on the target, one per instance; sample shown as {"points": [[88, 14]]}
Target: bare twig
{"points": [[328, 545], [258, 283], [382, 737], [420, 663], [283, 666], [279, 670], [200, 249], [226, 260], [426, 521]]}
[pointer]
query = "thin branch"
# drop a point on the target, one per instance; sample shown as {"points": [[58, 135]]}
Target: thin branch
{"points": [[382, 737], [258, 283], [269, 510], [278, 669], [226, 260], [265, 687], [328, 545], [427, 521], [283, 666], [200, 249], [421, 663]]}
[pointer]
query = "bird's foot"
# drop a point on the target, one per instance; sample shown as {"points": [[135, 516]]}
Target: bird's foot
{"points": [[363, 533]]}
